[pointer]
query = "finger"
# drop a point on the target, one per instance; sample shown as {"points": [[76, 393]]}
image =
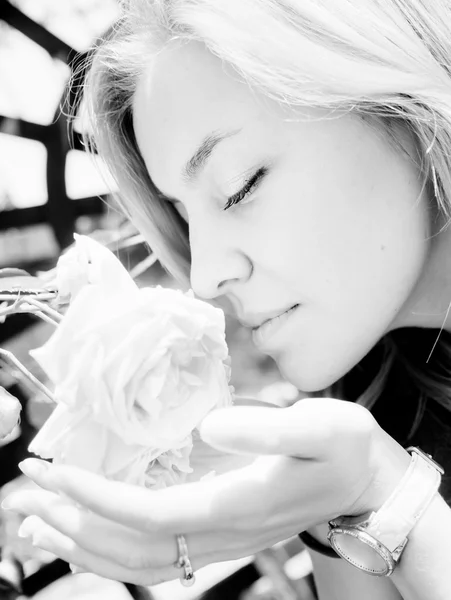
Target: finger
{"points": [[302, 430], [47, 538], [128, 547], [253, 526], [229, 501], [244, 429], [96, 534], [113, 541], [185, 509]]}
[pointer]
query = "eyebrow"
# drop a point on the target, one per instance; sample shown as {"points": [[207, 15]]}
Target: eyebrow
{"points": [[199, 159]]}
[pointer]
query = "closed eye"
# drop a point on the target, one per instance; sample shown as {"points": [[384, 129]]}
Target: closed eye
{"points": [[247, 189], [251, 184]]}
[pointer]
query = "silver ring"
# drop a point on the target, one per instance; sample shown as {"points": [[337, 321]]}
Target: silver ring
{"points": [[183, 562]]}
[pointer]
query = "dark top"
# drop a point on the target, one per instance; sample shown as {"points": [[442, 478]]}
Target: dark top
{"points": [[411, 412], [434, 437]]}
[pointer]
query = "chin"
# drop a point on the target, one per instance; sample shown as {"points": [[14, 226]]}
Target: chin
{"points": [[308, 377]]}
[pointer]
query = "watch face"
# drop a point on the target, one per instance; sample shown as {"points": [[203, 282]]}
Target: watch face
{"points": [[362, 550]]}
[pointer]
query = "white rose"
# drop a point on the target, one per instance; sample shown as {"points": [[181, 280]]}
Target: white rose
{"points": [[147, 365], [68, 438], [170, 468], [89, 262]]}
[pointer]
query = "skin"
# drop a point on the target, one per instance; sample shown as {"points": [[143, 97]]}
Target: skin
{"points": [[339, 225], [335, 225]]}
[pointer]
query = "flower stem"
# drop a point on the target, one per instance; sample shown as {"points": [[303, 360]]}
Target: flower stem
{"points": [[54, 314], [9, 358]]}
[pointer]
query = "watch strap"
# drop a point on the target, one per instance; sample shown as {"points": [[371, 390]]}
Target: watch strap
{"points": [[392, 523]]}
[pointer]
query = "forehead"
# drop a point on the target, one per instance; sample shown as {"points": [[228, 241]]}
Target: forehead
{"points": [[185, 94]]}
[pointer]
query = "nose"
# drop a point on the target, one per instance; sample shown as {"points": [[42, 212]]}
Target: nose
{"points": [[218, 261]]}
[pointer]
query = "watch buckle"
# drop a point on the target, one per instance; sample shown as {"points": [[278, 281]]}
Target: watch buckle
{"points": [[359, 521], [427, 457], [399, 549]]}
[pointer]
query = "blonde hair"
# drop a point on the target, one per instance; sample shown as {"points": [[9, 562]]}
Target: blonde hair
{"points": [[388, 61]]}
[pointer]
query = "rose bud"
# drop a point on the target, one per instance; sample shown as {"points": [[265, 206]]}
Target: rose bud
{"points": [[10, 408]]}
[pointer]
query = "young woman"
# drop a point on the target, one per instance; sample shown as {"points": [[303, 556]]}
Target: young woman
{"points": [[292, 160]]}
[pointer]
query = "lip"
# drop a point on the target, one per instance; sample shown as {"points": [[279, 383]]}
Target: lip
{"points": [[255, 320], [261, 334]]}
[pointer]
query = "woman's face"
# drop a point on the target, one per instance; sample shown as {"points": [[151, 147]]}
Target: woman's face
{"points": [[331, 221]]}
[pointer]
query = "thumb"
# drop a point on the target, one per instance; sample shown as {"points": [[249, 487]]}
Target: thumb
{"points": [[303, 430], [251, 430]]}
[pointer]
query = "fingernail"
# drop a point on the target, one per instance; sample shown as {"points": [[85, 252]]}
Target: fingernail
{"points": [[22, 534], [33, 467], [15, 501], [7, 504], [27, 527]]}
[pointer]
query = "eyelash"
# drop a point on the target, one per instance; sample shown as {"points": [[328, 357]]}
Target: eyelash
{"points": [[249, 186]]}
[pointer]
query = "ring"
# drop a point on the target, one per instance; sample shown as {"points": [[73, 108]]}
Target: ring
{"points": [[183, 561]]}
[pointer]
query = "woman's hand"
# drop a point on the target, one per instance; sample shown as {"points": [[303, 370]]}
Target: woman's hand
{"points": [[316, 460], [206, 459]]}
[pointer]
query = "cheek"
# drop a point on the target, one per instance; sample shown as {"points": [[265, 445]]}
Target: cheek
{"points": [[346, 314], [347, 238], [353, 271]]}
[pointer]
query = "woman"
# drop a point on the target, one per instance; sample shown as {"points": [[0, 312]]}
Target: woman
{"points": [[293, 161]]}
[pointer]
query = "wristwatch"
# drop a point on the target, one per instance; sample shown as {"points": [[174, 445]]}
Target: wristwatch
{"points": [[375, 541]]}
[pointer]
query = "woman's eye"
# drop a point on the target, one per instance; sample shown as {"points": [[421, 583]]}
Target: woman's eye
{"points": [[248, 187]]}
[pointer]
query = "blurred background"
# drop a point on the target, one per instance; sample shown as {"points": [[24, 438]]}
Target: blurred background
{"points": [[49, 189]]}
